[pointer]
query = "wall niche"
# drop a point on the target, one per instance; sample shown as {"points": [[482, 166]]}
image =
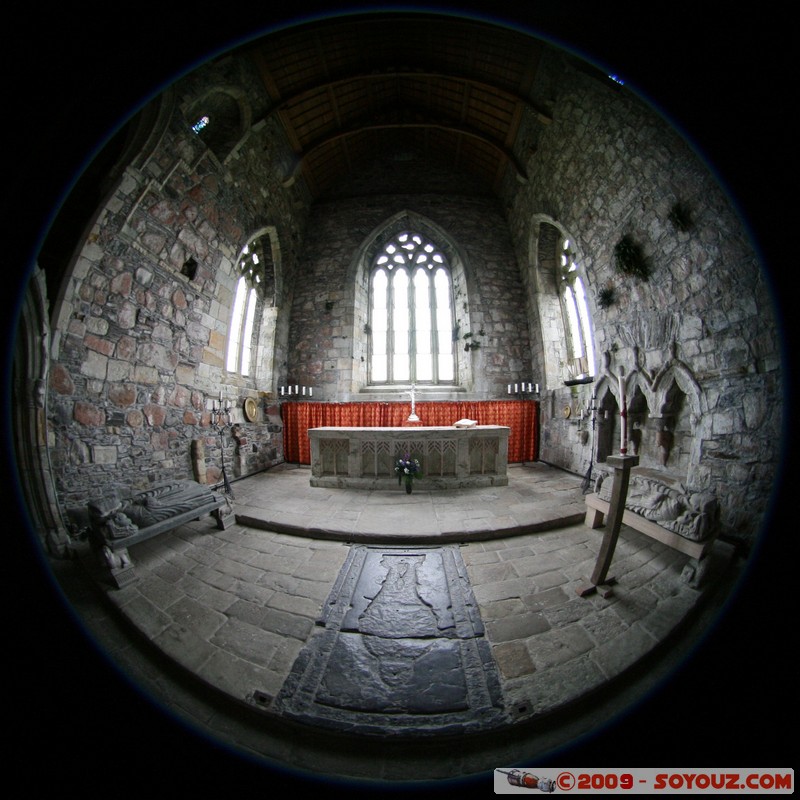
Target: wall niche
{"points": [[659, 424]]}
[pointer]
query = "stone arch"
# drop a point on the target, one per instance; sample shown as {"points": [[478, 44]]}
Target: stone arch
{"points": [[268, 309], [30, 384], [671, 429], [464, 290], [229, 119], [607, 413], [544, 296]]}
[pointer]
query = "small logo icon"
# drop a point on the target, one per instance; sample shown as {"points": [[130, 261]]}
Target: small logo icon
{"points": [[516, 777]]}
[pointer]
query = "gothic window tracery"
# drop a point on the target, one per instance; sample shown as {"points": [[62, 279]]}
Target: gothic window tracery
{"points": [[254, 289], [411, 314], [580, 349]]}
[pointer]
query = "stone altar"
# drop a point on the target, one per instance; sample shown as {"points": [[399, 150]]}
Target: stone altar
{"points": [[451, 457]]}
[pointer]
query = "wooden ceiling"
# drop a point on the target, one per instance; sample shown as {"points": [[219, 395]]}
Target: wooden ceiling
{"points": [[349, 90]]}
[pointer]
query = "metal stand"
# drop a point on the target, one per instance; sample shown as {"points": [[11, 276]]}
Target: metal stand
{"points": [[600, 582], [226, 486], [217, 420]]}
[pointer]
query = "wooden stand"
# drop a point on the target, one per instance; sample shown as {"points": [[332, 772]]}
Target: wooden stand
{"points": [[600, 582]]}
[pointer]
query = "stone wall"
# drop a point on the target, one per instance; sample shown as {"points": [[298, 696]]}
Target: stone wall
{"points": [[141, 324], [609, 167], [327, 342]]}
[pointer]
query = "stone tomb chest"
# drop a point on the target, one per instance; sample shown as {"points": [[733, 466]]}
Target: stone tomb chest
{"points": [[450, 457]]}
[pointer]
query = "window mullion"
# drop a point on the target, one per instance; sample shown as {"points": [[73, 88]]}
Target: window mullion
{"points": [[390, 330], [412, 328], [434, 334]]}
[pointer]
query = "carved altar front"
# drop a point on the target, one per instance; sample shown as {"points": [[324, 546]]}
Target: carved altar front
{"points": [[450, 457]]}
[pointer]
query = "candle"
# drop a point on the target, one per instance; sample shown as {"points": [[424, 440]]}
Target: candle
{"points": [[509, 388], [537, 388], [296, 387], [516, 389], [281, 391], [304, 391], [310, 391]]}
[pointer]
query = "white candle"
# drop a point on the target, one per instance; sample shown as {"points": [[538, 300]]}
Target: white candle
{"points": [[516, 388], [537, 388], [296, 387], [281, 391], [509, 388], [310, 391], [304, 391]]}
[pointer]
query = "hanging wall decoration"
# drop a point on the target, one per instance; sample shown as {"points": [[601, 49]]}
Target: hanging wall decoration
{"points": [[629, 259]]}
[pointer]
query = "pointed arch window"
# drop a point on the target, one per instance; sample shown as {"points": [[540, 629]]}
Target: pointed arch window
{"points": [[255, 270], [580, 350], [411, 314]]}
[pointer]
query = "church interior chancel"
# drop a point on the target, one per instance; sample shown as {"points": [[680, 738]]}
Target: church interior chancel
{"points": [[396, 396]]}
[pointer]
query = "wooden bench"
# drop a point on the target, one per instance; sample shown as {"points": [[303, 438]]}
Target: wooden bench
{"points": [[115, 525]]}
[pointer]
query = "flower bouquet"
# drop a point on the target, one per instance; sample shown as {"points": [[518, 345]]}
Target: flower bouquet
{"points": [[406, 468]]}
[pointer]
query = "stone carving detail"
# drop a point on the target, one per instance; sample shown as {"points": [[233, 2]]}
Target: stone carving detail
{"points": [[690, 513], [121, 518], [116, 524], [399, 609], [403, 649]]}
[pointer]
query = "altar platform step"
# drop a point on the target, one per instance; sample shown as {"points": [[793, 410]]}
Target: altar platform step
{"points": [[538, 497]]}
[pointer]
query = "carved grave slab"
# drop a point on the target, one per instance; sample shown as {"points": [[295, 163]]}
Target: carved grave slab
{"points": [[402, 649]]}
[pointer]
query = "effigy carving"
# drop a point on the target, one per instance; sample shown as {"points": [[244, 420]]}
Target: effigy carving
{"points": [[117, 523], [406, 624], [666, 510], [690, 513]]}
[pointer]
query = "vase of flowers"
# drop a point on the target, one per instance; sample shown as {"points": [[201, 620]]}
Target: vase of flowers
{"points": [[407, 468]]}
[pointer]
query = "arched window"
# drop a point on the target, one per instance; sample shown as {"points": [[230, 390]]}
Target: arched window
{"points": [[255, 283], [580, 350], [220, 119], [411, 314]]}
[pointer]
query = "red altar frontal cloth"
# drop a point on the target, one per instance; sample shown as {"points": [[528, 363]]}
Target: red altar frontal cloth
{"points": [[521, 416]]}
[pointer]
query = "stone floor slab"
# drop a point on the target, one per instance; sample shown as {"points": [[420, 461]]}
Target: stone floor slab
{"points": [[403, 649]]}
